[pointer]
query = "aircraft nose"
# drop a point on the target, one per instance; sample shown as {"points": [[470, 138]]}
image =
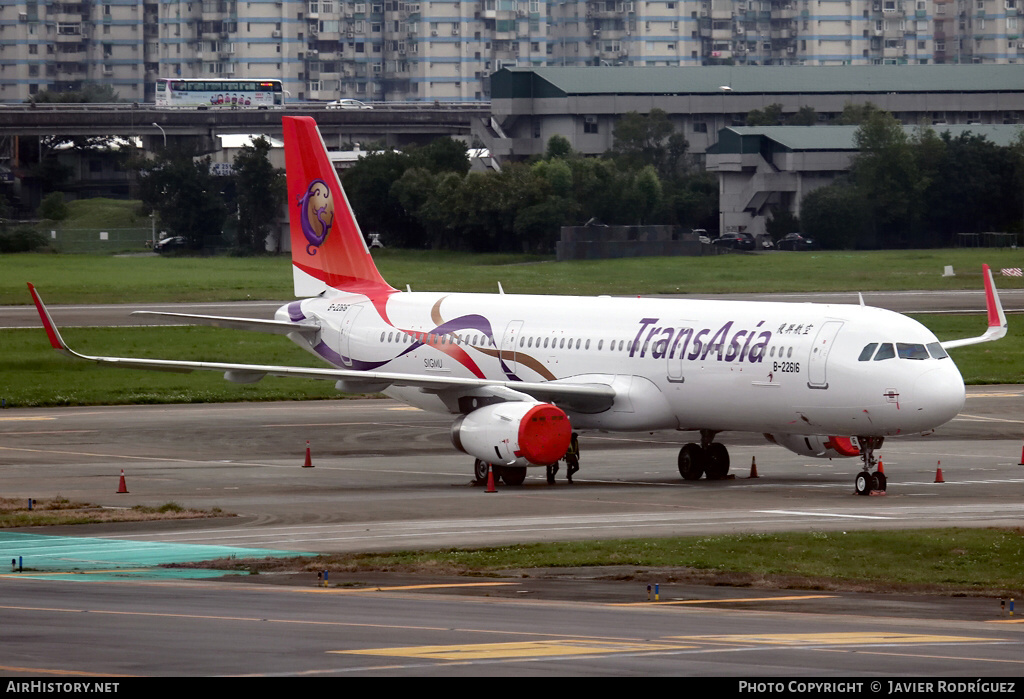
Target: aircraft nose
{"points": [[939, 394]]}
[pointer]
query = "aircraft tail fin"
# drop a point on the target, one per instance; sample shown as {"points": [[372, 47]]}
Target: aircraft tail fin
{"points": [[328, 248]]}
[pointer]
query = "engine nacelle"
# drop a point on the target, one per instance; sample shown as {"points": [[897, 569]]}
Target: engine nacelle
{"points": [[516, 433], [816, 445]]}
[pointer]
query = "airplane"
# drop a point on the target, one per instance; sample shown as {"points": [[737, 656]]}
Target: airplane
{"points": [[521, 374]]}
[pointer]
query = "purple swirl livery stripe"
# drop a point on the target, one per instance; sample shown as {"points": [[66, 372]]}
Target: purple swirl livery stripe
{"points": [[477, 322], [337, 360], [295, 313]]}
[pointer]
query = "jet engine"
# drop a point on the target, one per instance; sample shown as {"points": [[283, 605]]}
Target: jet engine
{"points": [[816, 445], [516, 433]]}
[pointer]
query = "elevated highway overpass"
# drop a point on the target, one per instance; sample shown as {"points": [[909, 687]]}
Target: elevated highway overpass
{"points": [[393, 124]]}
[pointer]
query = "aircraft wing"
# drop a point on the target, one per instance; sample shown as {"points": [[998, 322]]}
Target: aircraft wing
{"points": [[996, 317], [593, 396], [275, 327]]}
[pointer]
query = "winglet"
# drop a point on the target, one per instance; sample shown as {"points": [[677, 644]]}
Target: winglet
{"points": [[996, 316], [56, 341], [997, 324]]}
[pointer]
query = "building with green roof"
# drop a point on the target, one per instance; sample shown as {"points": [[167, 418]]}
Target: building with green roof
{"points": [[530, 105], [761, 167]]}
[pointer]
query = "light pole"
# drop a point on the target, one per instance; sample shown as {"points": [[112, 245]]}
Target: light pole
{"points": [[162, 132]]}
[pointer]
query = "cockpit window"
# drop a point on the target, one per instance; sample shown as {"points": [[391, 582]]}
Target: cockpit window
{"points": [[936, 350], [865, 354], [908, 350], [885, 351]]}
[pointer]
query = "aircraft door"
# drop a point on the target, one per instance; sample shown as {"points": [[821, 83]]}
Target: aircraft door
{"points": [[816, 376], [509, 341], [347, 323], [676, 350]]}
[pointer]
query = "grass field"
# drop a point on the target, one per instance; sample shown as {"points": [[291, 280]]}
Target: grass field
{"points": [[33, 375], [110, 279], [985, 562]]}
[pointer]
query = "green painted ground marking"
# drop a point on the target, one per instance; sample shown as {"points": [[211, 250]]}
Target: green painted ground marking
{"points": [[90, 558]]}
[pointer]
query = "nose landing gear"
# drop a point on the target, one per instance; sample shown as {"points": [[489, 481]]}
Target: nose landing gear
{"points": [[866, 481]]}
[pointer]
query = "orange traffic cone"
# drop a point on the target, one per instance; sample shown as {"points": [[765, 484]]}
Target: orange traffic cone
{"points": [[1021, 457], [881, 466], [309, 460], [753, 467], [121, 487], [938, 473], [490, 480]]}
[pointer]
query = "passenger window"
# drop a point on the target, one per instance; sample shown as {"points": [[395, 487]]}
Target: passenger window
{"points": [[935, 349], [907, 350], [885, 351], [865, 354], [600, 344]]}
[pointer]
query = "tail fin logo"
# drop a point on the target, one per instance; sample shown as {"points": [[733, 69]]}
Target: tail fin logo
{"points": [[317, 214]]}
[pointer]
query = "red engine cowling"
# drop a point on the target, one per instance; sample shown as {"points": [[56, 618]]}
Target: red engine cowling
{"points": [[514, 433], [816, 445]]}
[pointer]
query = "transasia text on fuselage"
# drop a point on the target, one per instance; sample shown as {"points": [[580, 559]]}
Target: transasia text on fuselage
{"points": [[724, 345]]}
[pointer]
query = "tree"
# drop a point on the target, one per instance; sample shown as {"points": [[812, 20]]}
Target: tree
{"points": [[971, 185], [781, 222], [886, 175], [180, 187], [53, 207], [558, 147], [648, 139], [769, 116], [368, 185], [88, 92], [692, 202], [834, 215], [807, 116], [856, 114], [442, 155], [260, 189]]}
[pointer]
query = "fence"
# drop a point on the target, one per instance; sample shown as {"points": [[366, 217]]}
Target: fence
{"points": [[989, 239], [99, 240]]}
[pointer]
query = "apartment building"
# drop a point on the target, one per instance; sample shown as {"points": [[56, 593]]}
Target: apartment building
{"points": [[446, 50]]}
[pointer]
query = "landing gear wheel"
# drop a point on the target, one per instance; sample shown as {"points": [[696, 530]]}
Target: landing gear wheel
{"points": [[512, 475], [864, 483], [691, 462], [881, 481], [480, 471], [717, 461]]}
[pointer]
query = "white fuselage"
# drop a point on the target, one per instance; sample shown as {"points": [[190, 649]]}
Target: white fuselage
{"points": [[674, 364]]}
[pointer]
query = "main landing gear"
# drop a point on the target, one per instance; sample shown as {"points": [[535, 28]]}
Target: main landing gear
{"points": [[516, 475], [512, 475], [708, 457], [866, 481]]}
